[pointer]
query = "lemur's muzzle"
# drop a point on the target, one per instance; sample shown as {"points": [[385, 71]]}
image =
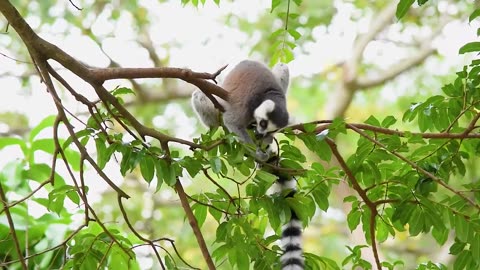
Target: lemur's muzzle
{"points": [[261, 135]]}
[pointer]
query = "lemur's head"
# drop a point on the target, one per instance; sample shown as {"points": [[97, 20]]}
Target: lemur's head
{"points": [[269, 118]]}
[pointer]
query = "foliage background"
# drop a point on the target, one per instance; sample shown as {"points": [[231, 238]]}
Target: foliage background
{"points": [[346, 61]]}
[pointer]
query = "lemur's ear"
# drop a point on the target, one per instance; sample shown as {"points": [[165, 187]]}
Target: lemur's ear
{"points": [[282, 74]]}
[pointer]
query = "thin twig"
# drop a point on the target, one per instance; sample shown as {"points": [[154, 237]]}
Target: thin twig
{"points": [[71, 2], [132, 229], [63, 243], [325, 124], [11, 225]]}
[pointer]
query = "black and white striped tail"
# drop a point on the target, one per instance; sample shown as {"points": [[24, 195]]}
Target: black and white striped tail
{"points": [[291, 242]]}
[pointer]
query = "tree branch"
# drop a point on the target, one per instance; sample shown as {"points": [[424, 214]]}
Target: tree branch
{"points": [[466, 134], [132, 229], [396, 69], [378, 24], [363, 194], [11, 225], [194, 224], [402, 66], [95, 76]]}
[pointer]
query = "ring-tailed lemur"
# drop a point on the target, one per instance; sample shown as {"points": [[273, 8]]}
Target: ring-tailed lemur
{"points": [[255, 99]]}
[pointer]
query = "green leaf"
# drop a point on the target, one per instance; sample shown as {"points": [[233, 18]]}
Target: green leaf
{"points": [[275, 4], [287, 56], [440, 235], [276, 33], [80, 134], [122, 91], [451, 91], [221, 252], [4, 142], [38, 172], [73, 196], [56, 201], [266, 177], [474, 15], [46, 145], [388, 121], [461, 228], [320, 195], [47, 122], [298, 2], [457, 247], [316, 144], [243, 262], [424, 122], [462, 260], [170, 176], [416, 222], [403, 7], [421, 2], [192, 165], [293, 153], [353, 219], [160, 168], [475, 247], [381, 230], [200, 213], [216, 164], [309, 127], [147, 168], [294, 33], [125, 163], [105, 157], [293, 16], [470, 47], [101, 152], [373, 121]]}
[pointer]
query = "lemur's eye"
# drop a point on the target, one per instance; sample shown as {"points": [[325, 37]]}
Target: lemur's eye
{"points": [[263, 123]]}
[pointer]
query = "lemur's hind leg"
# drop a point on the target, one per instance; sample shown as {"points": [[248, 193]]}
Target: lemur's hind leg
{"points": [[205, 110]]}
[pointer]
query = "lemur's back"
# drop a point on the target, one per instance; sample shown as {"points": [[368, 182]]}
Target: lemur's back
{"points": [[249, 78]]}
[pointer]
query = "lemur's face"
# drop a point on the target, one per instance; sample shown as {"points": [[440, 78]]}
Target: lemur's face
{"points": [[264, 125]]}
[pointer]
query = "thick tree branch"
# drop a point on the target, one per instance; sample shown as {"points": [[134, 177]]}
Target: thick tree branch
{"points": [[396, 69], [402, 66], [379, 23]]}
